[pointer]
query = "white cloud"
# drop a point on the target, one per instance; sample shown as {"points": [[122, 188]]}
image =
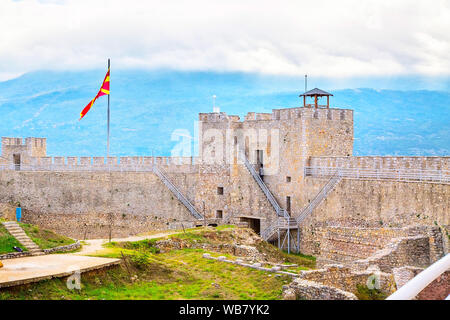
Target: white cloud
{"points": [[327, 38]]}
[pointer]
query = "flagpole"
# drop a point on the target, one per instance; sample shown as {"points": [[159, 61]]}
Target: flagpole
{"points": [[107, 143]]}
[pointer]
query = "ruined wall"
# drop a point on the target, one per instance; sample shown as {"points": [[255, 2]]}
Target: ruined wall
{"points": [[344, 278], [385, 247], [345, 244]]}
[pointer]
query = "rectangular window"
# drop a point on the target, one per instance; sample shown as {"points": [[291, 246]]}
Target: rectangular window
{"points": [[288, 205], [219, 214], [220, 190], [288, 179]]}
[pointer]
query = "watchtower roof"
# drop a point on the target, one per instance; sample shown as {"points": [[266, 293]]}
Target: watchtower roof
{"points": [[316, 92]]}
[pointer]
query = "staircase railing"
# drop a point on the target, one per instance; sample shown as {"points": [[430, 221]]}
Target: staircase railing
{"points": [[279, 223], [323, 193], [280, 211], [177, 192]]}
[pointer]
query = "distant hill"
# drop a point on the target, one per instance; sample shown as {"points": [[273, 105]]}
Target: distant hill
{"points": [[147, 106]]}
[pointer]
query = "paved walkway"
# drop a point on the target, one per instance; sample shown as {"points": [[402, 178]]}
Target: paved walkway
{"points": [[32, 269], [19, 271]]}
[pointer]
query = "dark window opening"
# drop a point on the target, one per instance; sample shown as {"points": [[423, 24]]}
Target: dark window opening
{"points": [[288, 179], [260, 163], [219, 214], [16, 158], [220, 190], [288, 205]]}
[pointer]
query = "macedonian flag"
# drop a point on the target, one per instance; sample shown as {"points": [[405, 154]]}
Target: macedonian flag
{"points": [[104, 90]]}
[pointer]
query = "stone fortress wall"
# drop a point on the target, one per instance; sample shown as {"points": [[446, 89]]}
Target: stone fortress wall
{"points": [[95, 196]]}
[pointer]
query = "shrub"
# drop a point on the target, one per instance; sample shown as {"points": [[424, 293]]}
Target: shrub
{"points": [[140, 259], [364, 293]]}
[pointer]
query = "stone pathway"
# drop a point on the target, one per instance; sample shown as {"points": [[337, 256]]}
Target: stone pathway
{"points": [[16, 231], [19, 271], [32, 269]]}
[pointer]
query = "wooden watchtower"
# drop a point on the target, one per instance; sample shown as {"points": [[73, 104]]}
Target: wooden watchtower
{"points": [[316, 93]]}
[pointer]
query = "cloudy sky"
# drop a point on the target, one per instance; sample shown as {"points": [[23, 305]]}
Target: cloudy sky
{"points": [[346, 38]]}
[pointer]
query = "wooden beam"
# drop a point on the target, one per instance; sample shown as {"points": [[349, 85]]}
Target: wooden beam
{"points": [[315, 101], [328, 101]]}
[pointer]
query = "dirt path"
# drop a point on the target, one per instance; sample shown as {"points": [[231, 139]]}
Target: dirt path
{"points": [[95, 245]]}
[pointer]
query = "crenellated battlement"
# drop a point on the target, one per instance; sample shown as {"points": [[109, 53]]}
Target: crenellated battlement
{"points": [[169, 164], [19, 150], [7, 141], [282, 114]]}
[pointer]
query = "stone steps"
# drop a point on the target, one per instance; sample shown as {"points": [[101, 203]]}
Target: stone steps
{"points": [[17, 232]]}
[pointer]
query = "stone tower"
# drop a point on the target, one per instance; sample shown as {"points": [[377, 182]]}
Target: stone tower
{"points": [[16, 151]]}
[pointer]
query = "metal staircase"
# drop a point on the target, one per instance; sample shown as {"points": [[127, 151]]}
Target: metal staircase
{"points": [[159, 172], [323, 193], [283, 223], [282, 226], [280, 223], [280, 211]]}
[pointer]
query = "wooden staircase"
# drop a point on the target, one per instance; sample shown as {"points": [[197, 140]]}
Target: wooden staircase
{"points": [[17, 232]]}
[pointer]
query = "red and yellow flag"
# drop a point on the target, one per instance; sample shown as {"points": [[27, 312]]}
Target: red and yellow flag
{"points": [[104, 90]]}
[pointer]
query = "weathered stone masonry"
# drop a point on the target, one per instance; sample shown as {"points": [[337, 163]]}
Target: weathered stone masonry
{"points": [[82, 198]]}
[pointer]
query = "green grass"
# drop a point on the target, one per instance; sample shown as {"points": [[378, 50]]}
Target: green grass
{"points": [[45, 239], [303, 261], [190, 236], [7, 241], [178, 274], [225, 227], [364, 293]]}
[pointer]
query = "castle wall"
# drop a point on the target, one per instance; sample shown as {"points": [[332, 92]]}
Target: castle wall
{"points": [[361, 216], [95, 196], [66, 201], [86, 203], [381, 203]]}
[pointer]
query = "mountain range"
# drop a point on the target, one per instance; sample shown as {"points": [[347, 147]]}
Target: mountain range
{"points": [[148, 106]]}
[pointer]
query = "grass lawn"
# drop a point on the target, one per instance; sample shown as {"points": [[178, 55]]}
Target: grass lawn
{"points": [[7, 241], [177, 274], [45, 239]]}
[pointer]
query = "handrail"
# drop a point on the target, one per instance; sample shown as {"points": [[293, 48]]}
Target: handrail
{"points": [[414, 286], [428, 176], [280, 211], [280, 222], [177, 192], [330, 185]]}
